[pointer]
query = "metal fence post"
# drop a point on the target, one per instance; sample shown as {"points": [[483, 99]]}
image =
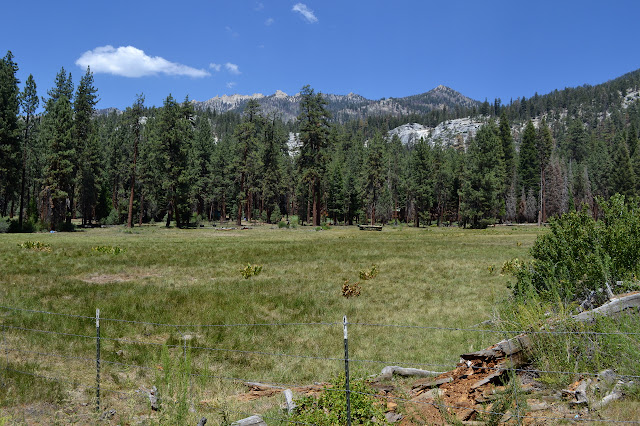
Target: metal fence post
{"points": [[346, 369], [98, 360]]}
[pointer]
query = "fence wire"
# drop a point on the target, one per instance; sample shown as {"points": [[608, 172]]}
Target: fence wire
{"points": [[21, 352]]}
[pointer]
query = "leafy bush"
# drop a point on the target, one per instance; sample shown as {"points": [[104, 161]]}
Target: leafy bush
{"points": [[27, 226], [276, 215], [35, 246], [109, 249], [350, 290], [580, 255], [4, 224], [283, 224], [251, 270], [331, 407], [370, 274], [113, 218]]}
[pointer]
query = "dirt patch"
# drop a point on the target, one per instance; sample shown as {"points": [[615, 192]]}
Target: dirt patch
{"points": [[118, 278], [258, 390]]}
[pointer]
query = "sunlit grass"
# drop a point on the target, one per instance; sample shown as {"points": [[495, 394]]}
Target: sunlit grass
{"points": [[428, 277]]}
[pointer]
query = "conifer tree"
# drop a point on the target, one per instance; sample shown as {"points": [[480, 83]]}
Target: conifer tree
{"points": [[529, 165], [508, 148], [88, 155], [28, 103], [314, 128], [374, 174], [482, 188], [9, 131], [422, 176], [623, 180], [544, 145], [135, 117]]}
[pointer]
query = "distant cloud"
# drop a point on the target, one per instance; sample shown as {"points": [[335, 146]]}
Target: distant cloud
{"points": [[307, 13], [259, 6], [215, 67], [232, 68], [231, 84], [128, 61], [269, 21], [231, 32]]}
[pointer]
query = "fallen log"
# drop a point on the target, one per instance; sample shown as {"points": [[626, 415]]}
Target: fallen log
{"points": [[250, 421], [614, 306], [388, 372]]}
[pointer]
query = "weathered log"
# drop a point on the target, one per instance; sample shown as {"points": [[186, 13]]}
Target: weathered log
{"points": [[288, 396], [250, 421], [389, 371], [202, 422], [615, 305], [502, 349]]}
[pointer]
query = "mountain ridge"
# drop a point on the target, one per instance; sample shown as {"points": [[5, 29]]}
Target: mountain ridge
{"points": [[344, 107]]}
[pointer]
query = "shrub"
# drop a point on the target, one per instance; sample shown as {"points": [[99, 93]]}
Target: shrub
{"points": [[370, 274], [113, 218], [35, 246], [350, 290], [4, 224], [109, 249], [251, 270], [330, 408], [283, 224], [580, 255]]}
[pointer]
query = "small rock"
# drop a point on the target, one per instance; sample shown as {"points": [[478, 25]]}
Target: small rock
{"points": [[106, 415], [391, 406], [608, 376], [120, 353], [537, 405], [393, 417]]}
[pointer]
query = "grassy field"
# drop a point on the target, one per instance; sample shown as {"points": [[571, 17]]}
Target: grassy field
{"points": [[428, 277]]}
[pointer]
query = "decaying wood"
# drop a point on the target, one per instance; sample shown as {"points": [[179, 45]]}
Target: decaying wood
{"points": [[388, 372], [502, 349], [615, 305], [288, 396], [370, 227], [250, 421]]}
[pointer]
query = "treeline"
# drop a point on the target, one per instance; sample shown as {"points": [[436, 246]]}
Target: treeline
{"points": [[178, 165]]}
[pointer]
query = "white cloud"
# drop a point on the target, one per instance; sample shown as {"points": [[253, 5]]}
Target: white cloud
{"points": [[259, 6], [232, 68], [231, 84], [269, 21], [128, 61], [307, 13], [215, 67]]}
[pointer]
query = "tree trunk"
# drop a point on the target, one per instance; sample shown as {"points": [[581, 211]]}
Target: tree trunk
{"points": [[133, 184], [168, 224], [223, 218], [141, 208]]}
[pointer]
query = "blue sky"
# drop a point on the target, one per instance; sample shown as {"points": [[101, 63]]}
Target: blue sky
{"points": [[483, 49]]}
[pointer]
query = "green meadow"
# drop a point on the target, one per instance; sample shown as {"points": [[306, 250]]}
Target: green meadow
{"points": [[164, 295]]}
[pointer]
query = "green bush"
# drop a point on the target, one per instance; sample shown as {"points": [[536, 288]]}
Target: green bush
{"points": [[283, 224], [331, 407], [113, 218], [4, 225], [276, 215], [581, 255]]}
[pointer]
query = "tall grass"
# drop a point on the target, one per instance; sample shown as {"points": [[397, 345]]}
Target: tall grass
{"points": [[428, 277]]}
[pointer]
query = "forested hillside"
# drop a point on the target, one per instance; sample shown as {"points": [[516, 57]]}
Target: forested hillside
{"points": [[184, 163]]}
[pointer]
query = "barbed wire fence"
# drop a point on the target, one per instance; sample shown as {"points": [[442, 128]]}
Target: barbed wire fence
{"points": [[65, 354]]}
